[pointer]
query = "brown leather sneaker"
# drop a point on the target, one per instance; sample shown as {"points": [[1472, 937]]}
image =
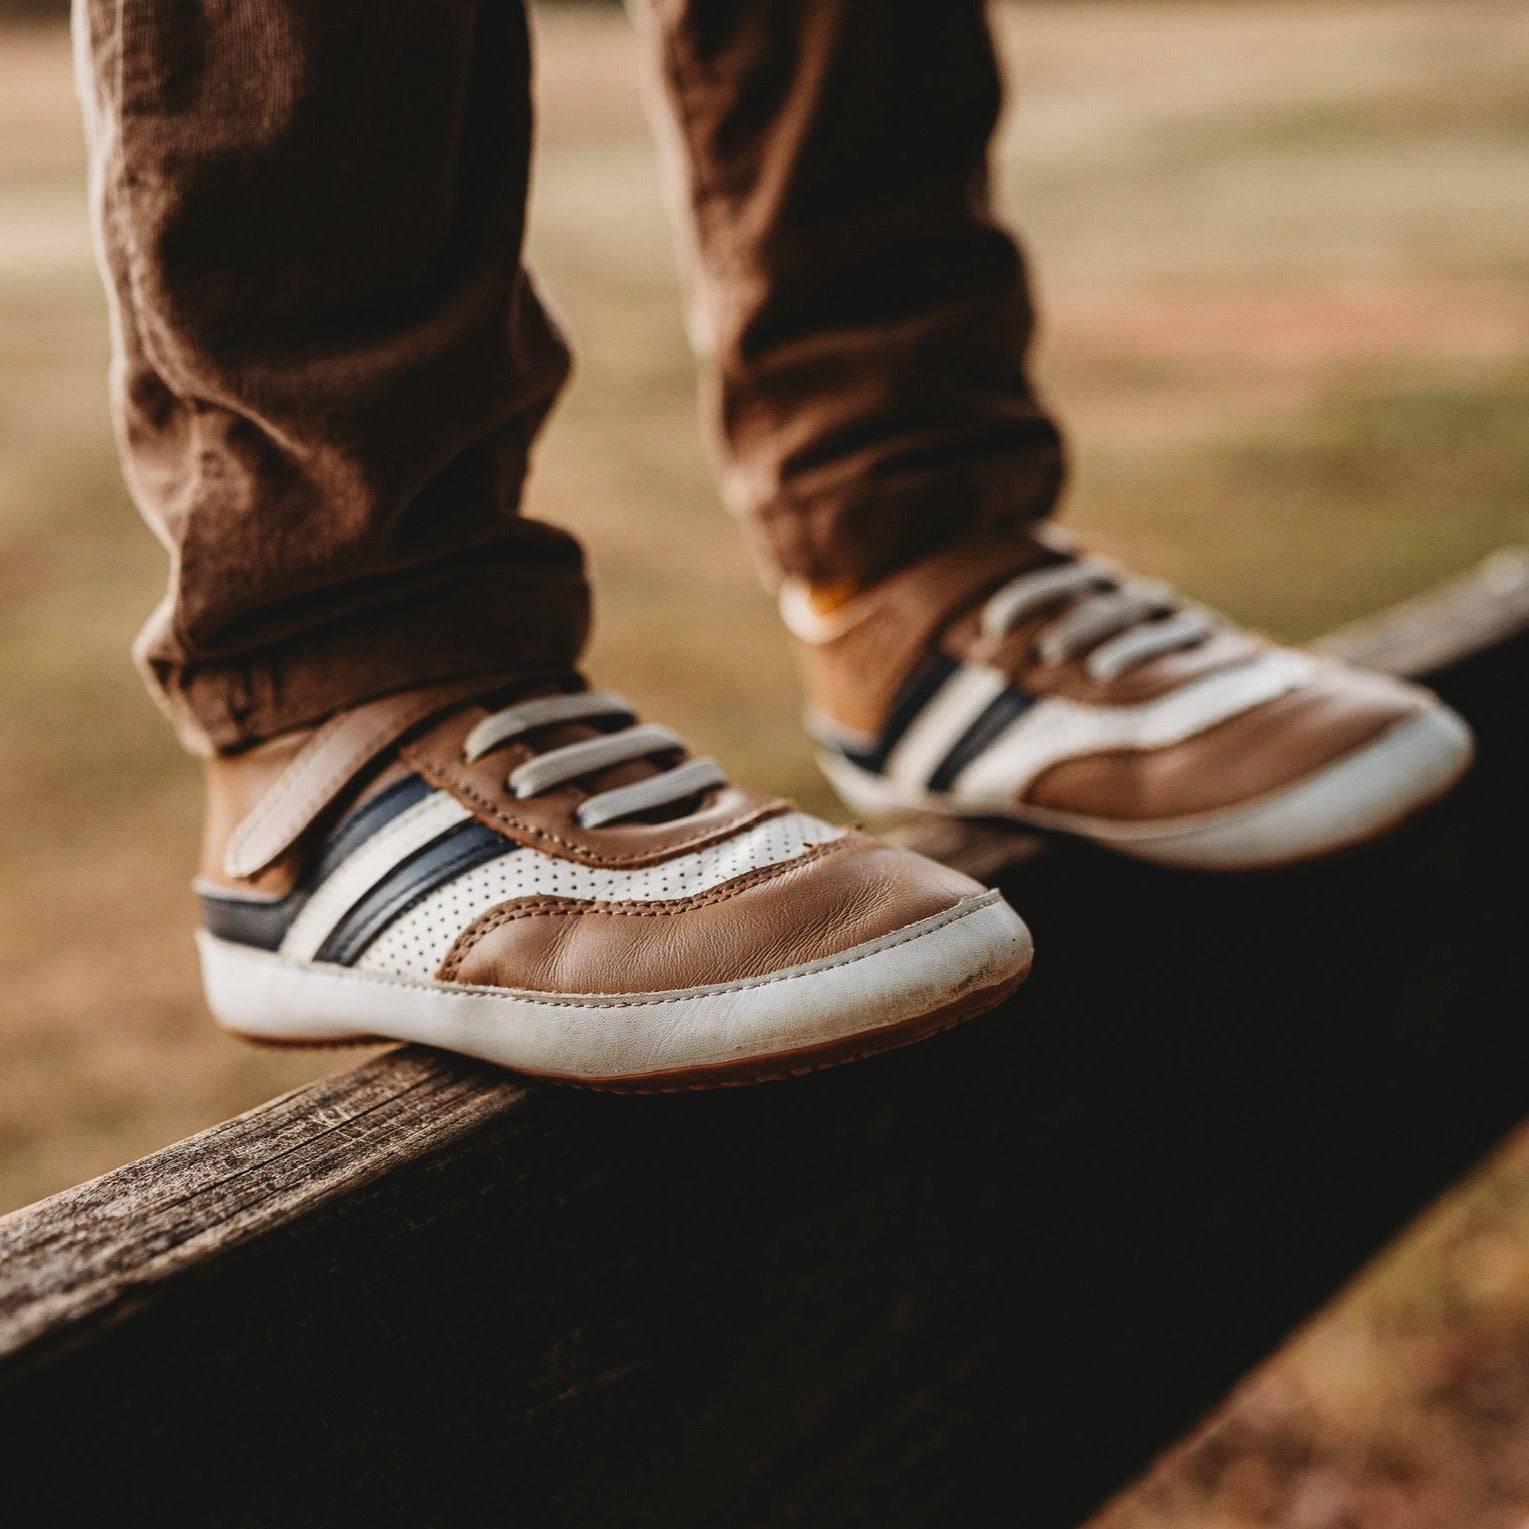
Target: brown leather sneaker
{"points": [[543, 882], [1018, 680]]}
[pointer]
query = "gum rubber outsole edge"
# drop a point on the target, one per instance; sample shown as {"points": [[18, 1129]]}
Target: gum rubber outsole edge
{"points": [[930, 976]]}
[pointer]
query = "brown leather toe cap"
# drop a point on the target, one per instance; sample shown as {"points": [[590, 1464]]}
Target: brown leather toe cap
{"points": [[833, 898], [1246, 757]]}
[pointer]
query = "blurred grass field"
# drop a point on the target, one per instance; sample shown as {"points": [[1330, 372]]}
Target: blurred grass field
{"points": [[1282, 250]]}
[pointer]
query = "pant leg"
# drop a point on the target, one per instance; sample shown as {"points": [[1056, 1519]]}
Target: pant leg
{"points": [[329, 362], [862, 320]]}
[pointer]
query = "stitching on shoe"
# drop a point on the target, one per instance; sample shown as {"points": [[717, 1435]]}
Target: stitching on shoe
{"points": [[521, 829], [508, 913], [359, 754], [926, 927], [280, 794]]}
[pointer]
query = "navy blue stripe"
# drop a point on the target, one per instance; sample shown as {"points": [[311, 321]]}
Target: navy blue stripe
{"points": [[915, 694], [261, 924], [265, 924], [460, 850], [992, 720]]}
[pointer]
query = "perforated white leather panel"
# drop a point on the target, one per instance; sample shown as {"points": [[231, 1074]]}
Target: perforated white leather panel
{"points": [[415, 944]]}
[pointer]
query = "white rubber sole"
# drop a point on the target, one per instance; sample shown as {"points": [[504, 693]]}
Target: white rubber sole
{"points": [[879, 994], [1357, 798]]}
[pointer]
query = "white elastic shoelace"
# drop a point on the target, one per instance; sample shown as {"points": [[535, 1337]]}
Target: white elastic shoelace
{"points": [[560, 765], [1117, 621]]}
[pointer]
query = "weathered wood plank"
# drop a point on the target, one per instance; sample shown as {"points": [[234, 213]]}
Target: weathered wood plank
{"points": [[1007, 1266], [1471, 614], [96, 1252]]}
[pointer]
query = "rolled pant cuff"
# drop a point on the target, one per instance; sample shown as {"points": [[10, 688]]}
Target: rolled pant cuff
{"points": [[495, 623], [885, 522]]}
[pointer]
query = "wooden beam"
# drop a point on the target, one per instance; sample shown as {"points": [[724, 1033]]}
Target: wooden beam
{"points": [[1005, 1267]]}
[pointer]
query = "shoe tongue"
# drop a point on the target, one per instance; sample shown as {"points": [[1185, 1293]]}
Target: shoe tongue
{"points": [[557, 735], [954, 584], [1026, 552], [1014, 651]]}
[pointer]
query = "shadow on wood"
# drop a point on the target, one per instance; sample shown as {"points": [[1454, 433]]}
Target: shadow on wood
{"points": [[980, 1280]]}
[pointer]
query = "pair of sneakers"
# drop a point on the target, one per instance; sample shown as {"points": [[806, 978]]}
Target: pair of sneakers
{"points": [[522, 871]]}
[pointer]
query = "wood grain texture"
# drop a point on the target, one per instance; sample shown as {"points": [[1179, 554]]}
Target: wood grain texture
{"points": [[1001, 1268], [97, 1252], [1475, 613]]}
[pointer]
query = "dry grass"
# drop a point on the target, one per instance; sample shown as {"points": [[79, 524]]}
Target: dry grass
{"points": [[1281, 248]]}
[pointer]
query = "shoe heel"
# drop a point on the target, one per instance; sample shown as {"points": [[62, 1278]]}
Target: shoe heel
{"points": [[260, 997]]}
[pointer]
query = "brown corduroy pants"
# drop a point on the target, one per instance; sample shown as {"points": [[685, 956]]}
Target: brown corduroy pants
{"points": [[330, 362]]}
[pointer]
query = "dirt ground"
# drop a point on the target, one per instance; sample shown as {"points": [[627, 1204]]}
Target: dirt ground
{"points": [[1281, 249]]}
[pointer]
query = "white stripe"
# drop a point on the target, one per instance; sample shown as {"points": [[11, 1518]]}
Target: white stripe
{"points": [[945, 718], [1056, 729], [389, 847]]}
